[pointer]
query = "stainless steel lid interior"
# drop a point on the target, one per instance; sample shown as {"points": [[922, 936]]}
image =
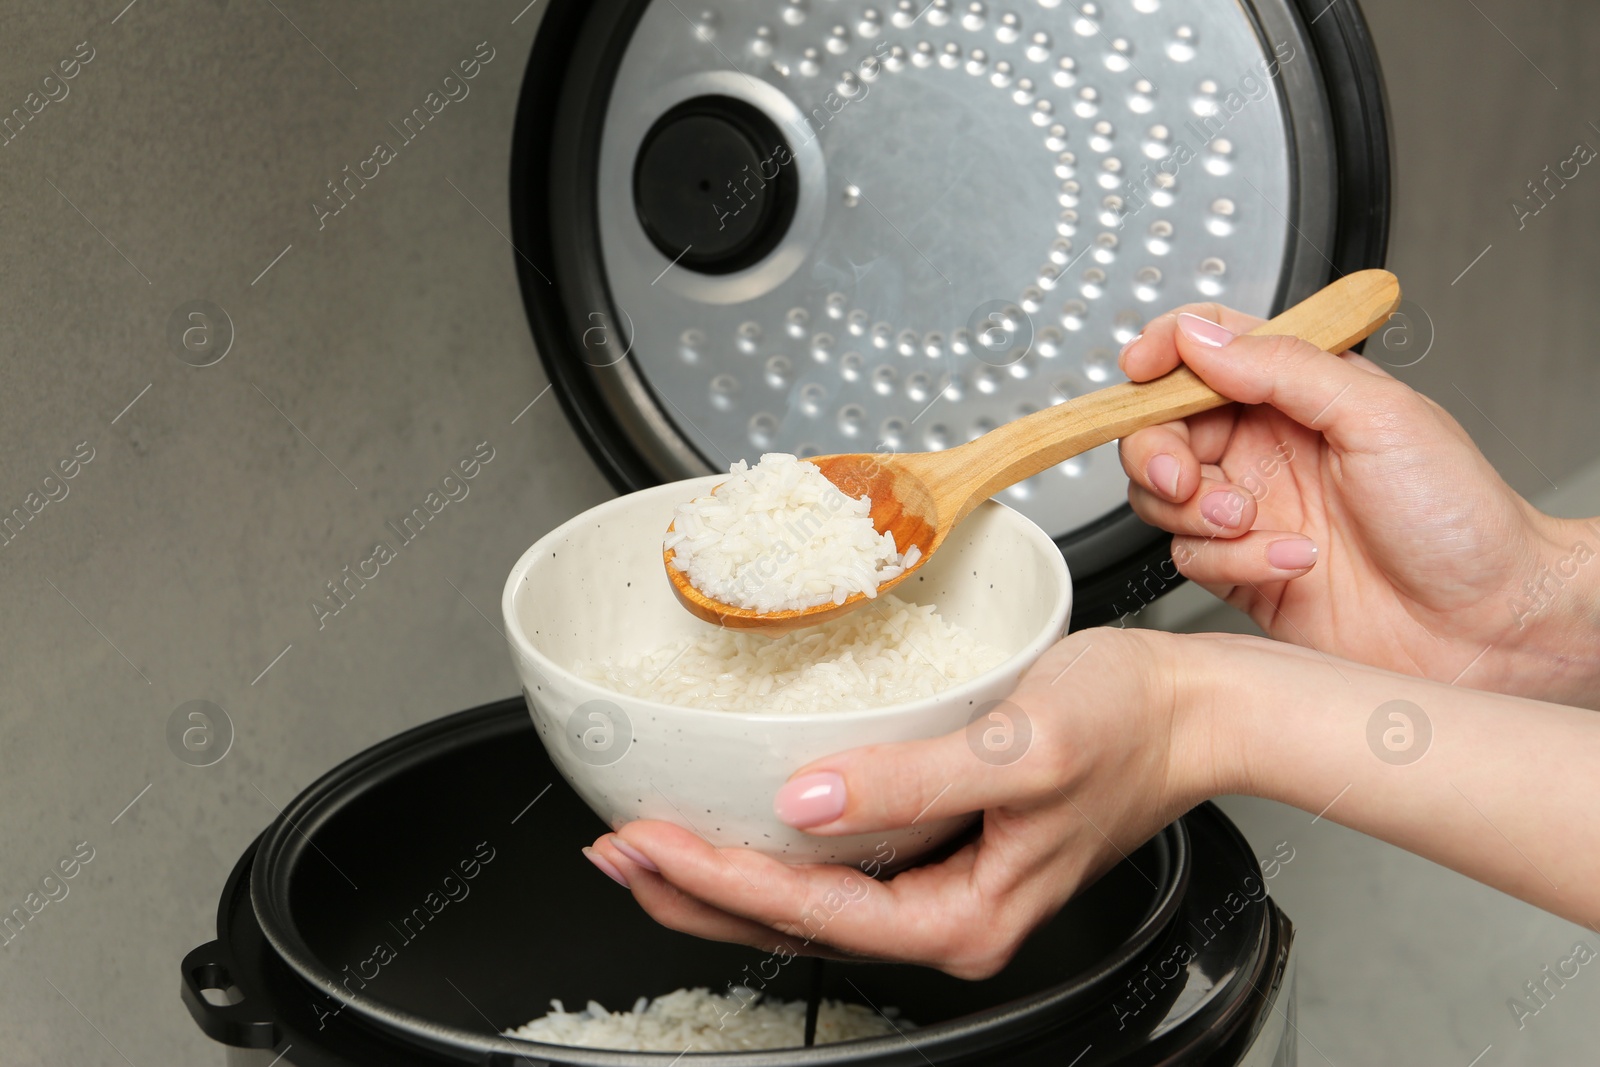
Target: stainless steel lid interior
{"points": [[941, 216]]}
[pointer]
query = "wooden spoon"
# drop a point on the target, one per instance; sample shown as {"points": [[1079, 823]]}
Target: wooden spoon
{"points": [[921, 496]]}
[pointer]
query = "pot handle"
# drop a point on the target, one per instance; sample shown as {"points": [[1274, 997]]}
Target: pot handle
{"points": [[238, 1025]]}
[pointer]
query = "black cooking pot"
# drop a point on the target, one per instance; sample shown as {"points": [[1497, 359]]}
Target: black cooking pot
{"points": [[429, 893]]}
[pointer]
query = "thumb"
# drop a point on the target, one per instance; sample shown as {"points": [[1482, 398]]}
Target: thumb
{"points": [[991, 763], [1347, 403]]}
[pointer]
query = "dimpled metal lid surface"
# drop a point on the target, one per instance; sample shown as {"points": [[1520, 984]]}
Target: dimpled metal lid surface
{"points": [[992, 200]]}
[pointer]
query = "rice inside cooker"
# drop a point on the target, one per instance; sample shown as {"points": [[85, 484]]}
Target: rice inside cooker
{"points": [[780, 537], [886, 653], [697, 1020]]}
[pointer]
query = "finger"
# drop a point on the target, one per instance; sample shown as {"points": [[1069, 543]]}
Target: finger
{"points": [[1153, 352], [677, 910], [1010, 756], [1169, 459], [1159, 459], [919, 783], [737, 892], [1258, 557], [913, 918], [1211, 431], [1352, 407], [1216, 509], [1355, 359]]}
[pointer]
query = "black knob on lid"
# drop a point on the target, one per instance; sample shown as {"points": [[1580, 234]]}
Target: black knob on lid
{"points": [[714, 185]]}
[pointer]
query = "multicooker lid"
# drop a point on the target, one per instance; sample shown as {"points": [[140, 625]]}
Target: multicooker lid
{"points": [[823, 226]]}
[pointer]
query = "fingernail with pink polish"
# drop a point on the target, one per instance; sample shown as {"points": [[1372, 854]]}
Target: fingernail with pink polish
{"points": [[1222, 508], [634, 854], [1295, 555], [1203, 331], [607, 866], [811, 800], [1163, 472]]}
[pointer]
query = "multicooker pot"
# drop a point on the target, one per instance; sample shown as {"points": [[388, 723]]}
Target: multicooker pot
{"points": [[429, 893], [823, 226]]}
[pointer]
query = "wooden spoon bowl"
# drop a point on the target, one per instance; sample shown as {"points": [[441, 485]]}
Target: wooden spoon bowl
{"points": [[919, 497]]}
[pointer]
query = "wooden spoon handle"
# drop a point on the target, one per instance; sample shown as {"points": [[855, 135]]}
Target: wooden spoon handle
{"points": [[1333, 319]]}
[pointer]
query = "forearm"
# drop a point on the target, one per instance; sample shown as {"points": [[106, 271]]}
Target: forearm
{"points": [[1503, 789]]}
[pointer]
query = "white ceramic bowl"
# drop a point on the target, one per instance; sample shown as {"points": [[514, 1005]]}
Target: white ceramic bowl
{"points": [[595, 588]]}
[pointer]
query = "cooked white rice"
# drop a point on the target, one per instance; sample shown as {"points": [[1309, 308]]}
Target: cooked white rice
{"points": [[886, 653], [780, 537], [697, 1020]]}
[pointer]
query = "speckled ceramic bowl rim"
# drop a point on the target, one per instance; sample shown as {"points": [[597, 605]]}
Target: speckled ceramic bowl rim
{"points": [[1015, 663]]}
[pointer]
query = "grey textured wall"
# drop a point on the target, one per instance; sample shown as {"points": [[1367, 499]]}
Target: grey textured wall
{"points": [[193, 542], [1484, 96], [378, 351]]}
